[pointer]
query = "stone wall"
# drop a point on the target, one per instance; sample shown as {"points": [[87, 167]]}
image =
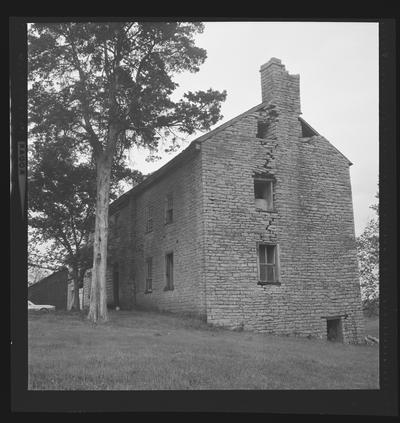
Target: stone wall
{"points": [[130, 244], [312, 223], [217, 227]]}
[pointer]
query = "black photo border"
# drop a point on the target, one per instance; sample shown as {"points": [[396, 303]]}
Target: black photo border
{"points": [[382, 402]]}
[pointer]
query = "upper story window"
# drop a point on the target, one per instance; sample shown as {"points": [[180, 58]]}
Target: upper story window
{"points": [[268, 264], [264, 193], [169, 208], [262, 129], [116, 224], [149, 218]]}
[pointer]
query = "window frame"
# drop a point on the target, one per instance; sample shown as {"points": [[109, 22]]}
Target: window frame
{"points": [[149, 275], [262, 129], [169, 282], [270, 204], [149, 218], [117, 224], [169, 207], [276, 264]]}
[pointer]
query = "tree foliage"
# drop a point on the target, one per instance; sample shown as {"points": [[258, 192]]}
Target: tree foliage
{"points": [[43, 259], [61, 207], [104, 87], [368, 258], [86, 77]]}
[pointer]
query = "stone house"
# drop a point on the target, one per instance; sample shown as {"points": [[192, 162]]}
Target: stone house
{"points": [[250, 227]]}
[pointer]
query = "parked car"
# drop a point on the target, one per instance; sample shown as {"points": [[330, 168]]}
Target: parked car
{"points": [[40, 307]]}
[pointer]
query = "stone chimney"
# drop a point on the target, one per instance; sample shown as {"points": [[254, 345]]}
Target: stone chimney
{"points": [[279, 87]]}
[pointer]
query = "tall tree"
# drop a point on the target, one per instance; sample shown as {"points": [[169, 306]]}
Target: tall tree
{"points": [[62, 197], [368, 258], [111, 86]]}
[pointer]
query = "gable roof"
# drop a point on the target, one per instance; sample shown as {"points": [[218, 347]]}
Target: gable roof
{"points": [[230, 122], [312, 130], [121, 200], [306, 127], [193, 146]]}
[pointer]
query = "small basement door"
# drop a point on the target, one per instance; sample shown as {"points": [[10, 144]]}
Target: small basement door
{"points": [[334, 330]]}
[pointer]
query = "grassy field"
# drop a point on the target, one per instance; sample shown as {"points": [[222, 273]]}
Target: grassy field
{"points": [[145, 350]]}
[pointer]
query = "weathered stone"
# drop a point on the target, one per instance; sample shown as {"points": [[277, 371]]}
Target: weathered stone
{"points": [[216, 226]]}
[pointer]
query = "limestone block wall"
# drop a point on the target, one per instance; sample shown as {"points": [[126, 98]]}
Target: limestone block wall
{"points": [[120, 247], [312, 223], [131, 245], [217, 227]]}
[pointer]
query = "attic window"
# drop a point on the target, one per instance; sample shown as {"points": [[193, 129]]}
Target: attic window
{"points": [[262, 128], [306, 130]]}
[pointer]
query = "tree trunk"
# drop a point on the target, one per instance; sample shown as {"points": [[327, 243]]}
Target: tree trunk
{"points": [[98, 294], [76, 304]]}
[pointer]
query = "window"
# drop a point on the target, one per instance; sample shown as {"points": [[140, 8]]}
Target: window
{"points": [[149, 275], [169, 271], [263, 193], [262, 128], [334, 330], [169, 203], [306, 130], [116, 224], [149, 221], [268, 264]]}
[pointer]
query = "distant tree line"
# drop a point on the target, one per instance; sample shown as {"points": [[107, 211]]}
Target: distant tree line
{"points": [[368, 259]]}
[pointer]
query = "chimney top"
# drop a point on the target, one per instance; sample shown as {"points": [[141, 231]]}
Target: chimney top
{"points": [[280, 87], [272, 61]]}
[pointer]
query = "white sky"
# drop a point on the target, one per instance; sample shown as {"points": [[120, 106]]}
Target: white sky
{"points": [[338, 67]]}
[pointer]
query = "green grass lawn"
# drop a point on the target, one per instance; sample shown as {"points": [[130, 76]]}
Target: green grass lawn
{"points": [[145, 350]]}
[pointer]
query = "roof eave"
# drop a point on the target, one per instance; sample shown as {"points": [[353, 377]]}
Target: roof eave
{"points": [[124, 198], [194, 145], [318, 134]]}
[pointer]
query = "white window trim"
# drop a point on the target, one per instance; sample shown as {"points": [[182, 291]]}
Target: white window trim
{"points": [[277, 264]]}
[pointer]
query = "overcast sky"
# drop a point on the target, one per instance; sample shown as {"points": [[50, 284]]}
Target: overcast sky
{"points": [[338, 67]]}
